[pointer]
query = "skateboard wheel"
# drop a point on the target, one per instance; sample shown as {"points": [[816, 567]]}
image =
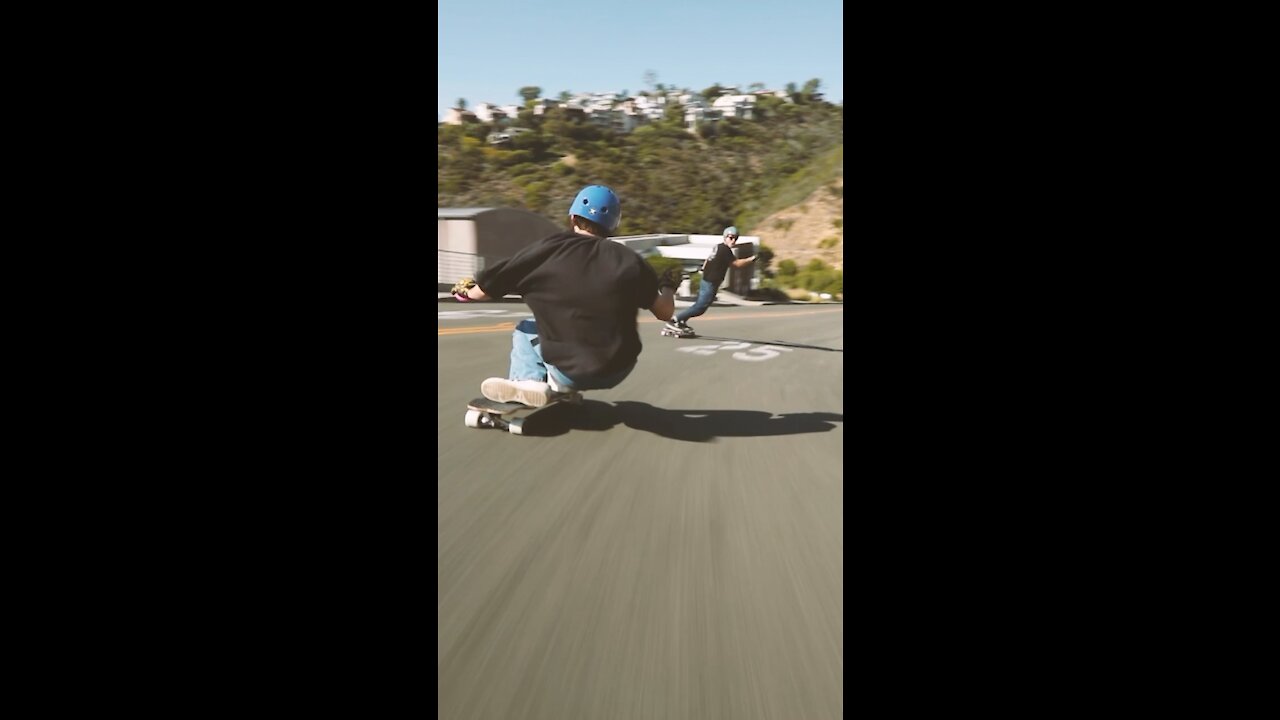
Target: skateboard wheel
{"points": [[473, 419], [516, 427]]}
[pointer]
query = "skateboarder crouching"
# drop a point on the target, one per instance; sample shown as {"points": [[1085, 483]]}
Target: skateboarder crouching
{"points": [[584, 292]]}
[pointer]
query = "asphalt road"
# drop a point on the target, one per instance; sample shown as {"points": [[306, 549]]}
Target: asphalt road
{"points": [[671, 548]]}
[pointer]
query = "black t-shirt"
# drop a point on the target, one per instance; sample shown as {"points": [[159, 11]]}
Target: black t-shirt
{"points": [[718, 264], [584, 292]]}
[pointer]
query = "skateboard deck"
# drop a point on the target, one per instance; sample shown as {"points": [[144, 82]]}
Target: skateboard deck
{"points": [[510, 416], [673, 333]]}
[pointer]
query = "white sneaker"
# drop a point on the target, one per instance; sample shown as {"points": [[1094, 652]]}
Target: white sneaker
{"points": [[557, 387], [527, 392]]}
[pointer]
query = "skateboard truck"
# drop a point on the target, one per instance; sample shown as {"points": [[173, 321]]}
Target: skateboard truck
{"points": [[673, 333], [485, 413]]}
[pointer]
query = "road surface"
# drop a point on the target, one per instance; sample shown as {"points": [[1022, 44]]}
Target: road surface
{"points": [[672, 548]]}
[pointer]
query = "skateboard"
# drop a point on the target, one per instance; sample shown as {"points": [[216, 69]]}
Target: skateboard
{"points": [[673, 333], [510, 416]]}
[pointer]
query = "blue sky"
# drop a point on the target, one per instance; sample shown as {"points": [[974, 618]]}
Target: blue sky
{"points": [[489, 50]]}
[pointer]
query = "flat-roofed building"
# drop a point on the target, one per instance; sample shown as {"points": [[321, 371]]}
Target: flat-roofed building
{"points": [[467, 239]]}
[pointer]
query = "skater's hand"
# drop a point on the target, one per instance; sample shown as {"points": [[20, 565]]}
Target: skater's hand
{"points": [[670, 278], [460, 289]]}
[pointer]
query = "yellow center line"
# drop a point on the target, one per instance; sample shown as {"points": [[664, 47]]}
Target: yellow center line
{"points": [[500, 327], [507, 326]]}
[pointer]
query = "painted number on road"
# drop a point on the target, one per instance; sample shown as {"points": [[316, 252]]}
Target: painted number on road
{"points": [[741, 351]]}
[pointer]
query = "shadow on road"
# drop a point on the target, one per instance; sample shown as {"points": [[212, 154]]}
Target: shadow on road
{"points": [[778, 343], [688, 425]]}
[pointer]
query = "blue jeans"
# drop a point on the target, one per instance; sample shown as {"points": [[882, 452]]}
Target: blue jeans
{"points": [[527, 363], [706, 296]]}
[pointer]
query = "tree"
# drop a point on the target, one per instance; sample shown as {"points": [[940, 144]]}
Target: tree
{"points": [[526, 119], [713, 92], [529, 92], [564, 96], [650, 77], [461, 103], [768, 106], [535, 142], [810, 90], [674, 114]]}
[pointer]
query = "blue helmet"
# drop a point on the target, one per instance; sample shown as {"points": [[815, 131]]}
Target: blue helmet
{"points": [[598, 204], [731, 230]]}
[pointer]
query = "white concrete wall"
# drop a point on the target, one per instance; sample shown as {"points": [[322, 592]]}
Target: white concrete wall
{"points": [[456, 235], [456, 251]]}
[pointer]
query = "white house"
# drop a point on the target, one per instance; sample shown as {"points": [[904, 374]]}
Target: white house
{"points": [[742, 106], [489, 113], [503, 136], [457, 116]]}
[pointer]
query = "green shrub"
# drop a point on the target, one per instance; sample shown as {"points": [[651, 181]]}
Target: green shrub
{"points": [[660, 265], [535, 195], [767, 293]]}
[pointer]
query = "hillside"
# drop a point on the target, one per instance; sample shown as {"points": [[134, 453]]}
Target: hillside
{"points": [[731, 172], [779, 176], [798, 232]]}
